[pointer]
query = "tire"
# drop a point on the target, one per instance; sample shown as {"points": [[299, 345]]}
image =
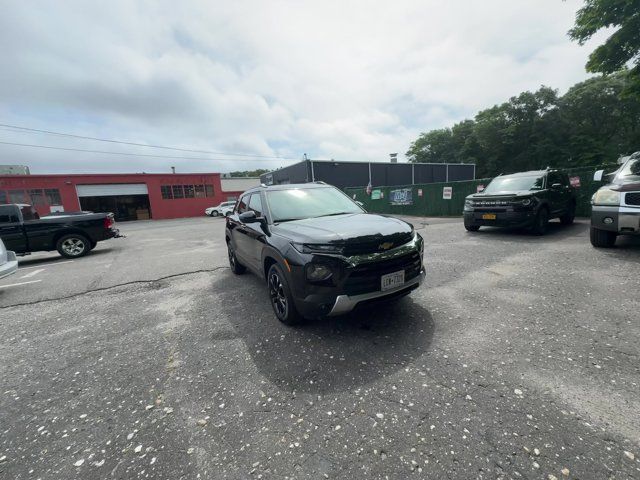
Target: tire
{"points": [[281, 298], [73, 245], [236, 266], [214, 213], [227, 214], [569, 217], [541, 222], [472, 228], [602, 238]]}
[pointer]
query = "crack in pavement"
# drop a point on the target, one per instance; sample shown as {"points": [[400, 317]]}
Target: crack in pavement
{"points": [[101, 289]]}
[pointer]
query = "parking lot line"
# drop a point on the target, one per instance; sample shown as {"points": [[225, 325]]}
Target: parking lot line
{"points": [[20, 283], [33, 274]]}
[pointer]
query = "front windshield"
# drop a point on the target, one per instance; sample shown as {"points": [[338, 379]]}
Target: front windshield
{"points": [[631, 170], [299, 203], [514, 184]]}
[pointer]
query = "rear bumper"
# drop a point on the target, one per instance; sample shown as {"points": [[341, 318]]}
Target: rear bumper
{"points": [[503, 219], [621, 220], [10, 267]]}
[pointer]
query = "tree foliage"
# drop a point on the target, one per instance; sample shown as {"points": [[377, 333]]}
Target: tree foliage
{"points": [[248, 173], [592, 123], [623, 45]]}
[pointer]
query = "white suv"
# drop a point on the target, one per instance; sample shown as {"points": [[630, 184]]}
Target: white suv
{"points": [[224, 209]]}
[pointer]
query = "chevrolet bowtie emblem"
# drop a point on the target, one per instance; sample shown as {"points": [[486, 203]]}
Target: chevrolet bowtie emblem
{"points": [[385, 245]]}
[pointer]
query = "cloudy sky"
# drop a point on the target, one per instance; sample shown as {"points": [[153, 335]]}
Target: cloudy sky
{"points": [[349, 80]]}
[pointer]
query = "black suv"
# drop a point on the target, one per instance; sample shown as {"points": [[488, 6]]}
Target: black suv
{"points": [[320, 253], [527, 199]]}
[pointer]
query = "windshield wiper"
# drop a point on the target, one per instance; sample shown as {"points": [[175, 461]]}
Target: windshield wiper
{"points": [[332, 214], [280, 220]]}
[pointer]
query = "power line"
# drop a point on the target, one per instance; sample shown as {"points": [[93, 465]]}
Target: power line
{"points": [[132, 154], [49, 132]]}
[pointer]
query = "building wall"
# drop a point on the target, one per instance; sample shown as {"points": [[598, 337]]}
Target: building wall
{"points": [[355, 174], [161, 208]]}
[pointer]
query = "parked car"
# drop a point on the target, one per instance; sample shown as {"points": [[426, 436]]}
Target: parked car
{"points": [[320, 253], [616, 206], [527, 199], [224, 209], [8, 261], [24, 232]]}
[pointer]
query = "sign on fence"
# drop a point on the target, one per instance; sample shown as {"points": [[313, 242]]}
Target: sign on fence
{"points": [[575, 182], [419, 192], [447, 193], [403, 196], [479, 188], [375, 194]]}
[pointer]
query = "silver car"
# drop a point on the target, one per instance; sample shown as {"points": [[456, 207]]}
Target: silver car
{"points": [[8, 261]]}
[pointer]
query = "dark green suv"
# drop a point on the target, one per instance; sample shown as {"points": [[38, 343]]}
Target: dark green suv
{"points": [[527, 199]]}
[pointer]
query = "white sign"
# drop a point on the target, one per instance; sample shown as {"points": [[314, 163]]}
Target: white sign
{"points": [[447, 193], [56, 208], [419, 192]]}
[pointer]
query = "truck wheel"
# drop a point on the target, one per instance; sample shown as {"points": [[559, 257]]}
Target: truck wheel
{"points": [[567, 218], [541, 222], [236, 266], [281, 299], [73, 245], [602, 238]]}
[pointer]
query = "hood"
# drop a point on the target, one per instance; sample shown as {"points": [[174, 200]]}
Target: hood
{"points": [[3, 254], [624, 185], [348, 228], [502, 195]]}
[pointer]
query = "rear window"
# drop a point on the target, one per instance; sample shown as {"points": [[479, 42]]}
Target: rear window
{"points": [[8, 214]]}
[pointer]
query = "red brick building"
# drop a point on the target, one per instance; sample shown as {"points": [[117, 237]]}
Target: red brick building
{"points": [[129, 196]]}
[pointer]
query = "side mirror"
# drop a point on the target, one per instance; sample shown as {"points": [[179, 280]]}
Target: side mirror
{"points": [[249, 217], [597, 177]]}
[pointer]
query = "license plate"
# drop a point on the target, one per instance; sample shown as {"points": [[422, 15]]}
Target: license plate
{"points": [[392, 280], [488, 216]]}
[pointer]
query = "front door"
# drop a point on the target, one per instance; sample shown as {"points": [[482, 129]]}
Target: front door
{"points": [[11, 231]]}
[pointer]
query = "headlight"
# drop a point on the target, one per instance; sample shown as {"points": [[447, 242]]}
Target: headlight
{"points": [[318, 248], [605, 196], [526, 202], [317, 272], [468, 203]]}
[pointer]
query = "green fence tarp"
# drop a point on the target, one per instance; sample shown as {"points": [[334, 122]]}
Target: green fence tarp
{"points": [[431, 199]]}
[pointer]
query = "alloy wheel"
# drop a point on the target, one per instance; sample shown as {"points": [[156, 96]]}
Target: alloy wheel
{"points": [[73, 246], [278, 297]]}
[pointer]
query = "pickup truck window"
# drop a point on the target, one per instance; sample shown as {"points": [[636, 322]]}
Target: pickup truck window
{"points": [[29, 213], [3, 197], [8, 214]]}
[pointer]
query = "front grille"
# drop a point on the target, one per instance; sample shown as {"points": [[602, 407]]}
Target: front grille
{"points": [[366, 278], [632, 198], [372, 244]]}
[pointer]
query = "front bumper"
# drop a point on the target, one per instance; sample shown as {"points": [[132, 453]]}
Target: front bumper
{"points": [[621, 220], [503, 218], [357, 279], [345, 303], [10, 267]]}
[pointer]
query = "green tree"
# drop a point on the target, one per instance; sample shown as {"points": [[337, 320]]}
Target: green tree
{"points": [[623, 45]]}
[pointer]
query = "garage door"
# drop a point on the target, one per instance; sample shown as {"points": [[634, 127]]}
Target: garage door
{"points": [[112, 190]]}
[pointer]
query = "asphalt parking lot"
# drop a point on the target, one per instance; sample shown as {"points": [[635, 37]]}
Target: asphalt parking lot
{"points": [[518, 358]]}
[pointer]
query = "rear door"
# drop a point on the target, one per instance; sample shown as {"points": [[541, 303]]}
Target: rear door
{"points": [[11, 230], [557, 194]]}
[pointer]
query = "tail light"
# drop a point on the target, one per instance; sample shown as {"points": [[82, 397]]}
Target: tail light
{"points": [[108, 222]]}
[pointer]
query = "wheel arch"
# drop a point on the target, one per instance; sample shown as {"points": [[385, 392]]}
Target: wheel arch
{"points": [[70, 231]]}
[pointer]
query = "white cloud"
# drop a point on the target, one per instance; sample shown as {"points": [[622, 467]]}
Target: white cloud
{"points": [[345, 80]]}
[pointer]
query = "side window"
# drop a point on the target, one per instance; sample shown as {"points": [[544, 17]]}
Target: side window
{"points": [[8, 214], [255, 204], [242, 204], [553, 177]]}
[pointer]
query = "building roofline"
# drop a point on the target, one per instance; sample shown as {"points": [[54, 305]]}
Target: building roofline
{"points": [[57, 175]]}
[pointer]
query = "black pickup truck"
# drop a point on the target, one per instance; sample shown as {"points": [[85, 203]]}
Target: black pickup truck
{"points": [[24, 232]]}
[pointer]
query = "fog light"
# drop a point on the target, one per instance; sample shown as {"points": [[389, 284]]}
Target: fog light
{"points": [[318, 273], [607, 220]]}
